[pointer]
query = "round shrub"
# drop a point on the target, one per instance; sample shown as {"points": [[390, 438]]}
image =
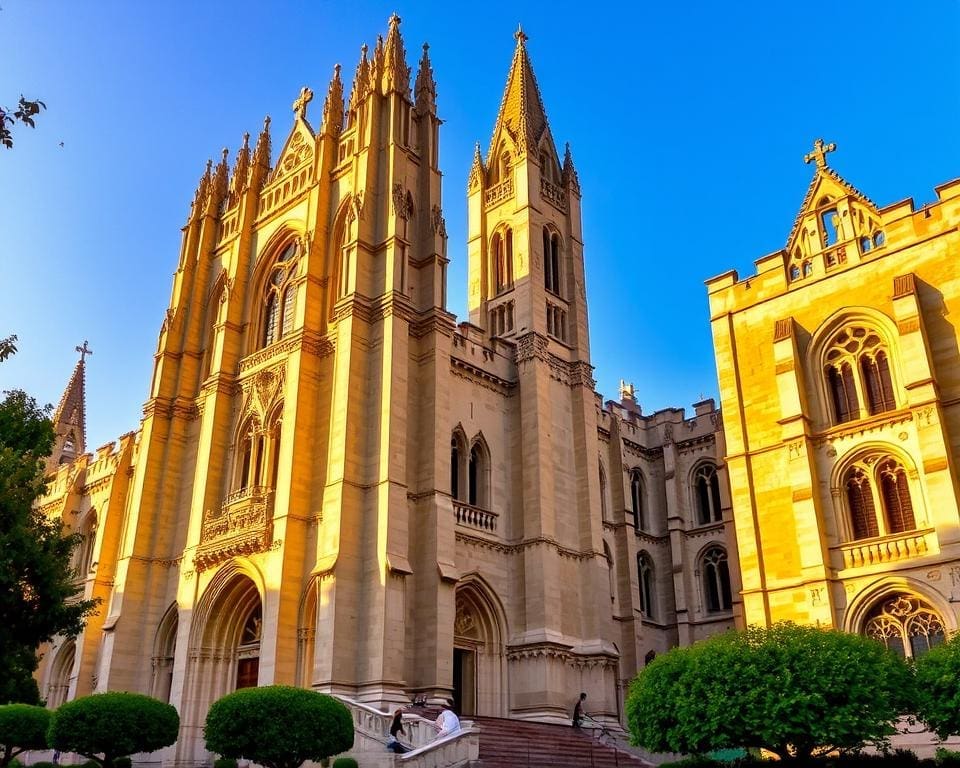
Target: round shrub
{"points": [[106, 726], [938, 688], [278, 726], [345, 762], [22, 727]]}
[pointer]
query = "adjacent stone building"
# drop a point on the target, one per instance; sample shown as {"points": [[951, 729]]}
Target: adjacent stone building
{"points": [[334, 485], [840, 383]]}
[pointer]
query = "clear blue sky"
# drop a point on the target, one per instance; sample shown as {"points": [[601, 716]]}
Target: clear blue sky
{"points": [[688, 124]]}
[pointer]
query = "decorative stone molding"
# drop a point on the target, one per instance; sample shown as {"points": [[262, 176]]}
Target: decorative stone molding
{"points": [[884, 550], [437, 221], [497, 194], [531, 345], [242, 526], [402, 203], [470, 516], [554, 195]]}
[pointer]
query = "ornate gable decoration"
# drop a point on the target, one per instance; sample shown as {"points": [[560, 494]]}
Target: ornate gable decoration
{"points": [[298, 148], [836, 224]]}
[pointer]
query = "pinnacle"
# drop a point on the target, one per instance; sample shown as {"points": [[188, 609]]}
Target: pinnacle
{"points": [[521, 110]]}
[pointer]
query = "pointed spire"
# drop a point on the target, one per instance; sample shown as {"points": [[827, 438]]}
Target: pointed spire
{"points": [[218, 184], [569, 172], [396, 73], [477, 171], [360, 80], [426, 88], [521, 110], [260, 165], [70, 418], [376, 66], [203, 189], [332, 122], [238, 182]]}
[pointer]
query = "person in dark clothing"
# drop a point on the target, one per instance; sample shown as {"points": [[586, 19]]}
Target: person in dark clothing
{"points": [[578, 712], [396, 727]]}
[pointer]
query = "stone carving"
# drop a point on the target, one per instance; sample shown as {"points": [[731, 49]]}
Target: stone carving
{"points": [[464, 623], [402, 202], [438, 222]]}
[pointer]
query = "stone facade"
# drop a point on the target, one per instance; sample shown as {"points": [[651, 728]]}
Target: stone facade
{"points": [[335, 485], [839, 378]]}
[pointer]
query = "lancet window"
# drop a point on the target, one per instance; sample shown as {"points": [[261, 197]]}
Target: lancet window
{"points": [[501, 248], [477, 476], [878, 498], [645, 578], [715, 572], [551, 261], [279, 298], [637, 506], [458, 457], [858, 374], [706, 493], [906, 625], [258, 455]]}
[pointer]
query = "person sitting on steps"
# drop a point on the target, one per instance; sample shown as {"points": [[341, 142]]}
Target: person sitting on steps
{"points": [[447, 722], [396, 727]]}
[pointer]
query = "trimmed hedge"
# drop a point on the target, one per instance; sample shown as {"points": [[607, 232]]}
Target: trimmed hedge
{"points": [[278, 726], [22, 727], [108, 726]]}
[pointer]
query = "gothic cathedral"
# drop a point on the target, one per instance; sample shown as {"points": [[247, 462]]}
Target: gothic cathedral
{"points": [[337, 486]]}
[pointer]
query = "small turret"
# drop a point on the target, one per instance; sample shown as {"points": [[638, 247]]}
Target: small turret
{"points": [[218, 185], [425, 89], [361, 79], [477, 171], [70, 418], [200, 196], [332, 122], [570, 178]]}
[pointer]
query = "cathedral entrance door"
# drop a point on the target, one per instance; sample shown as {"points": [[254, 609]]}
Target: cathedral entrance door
{"points": [[248, 672], [465, 680]]}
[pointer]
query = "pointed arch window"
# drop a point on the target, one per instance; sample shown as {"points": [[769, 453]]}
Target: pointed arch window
{"points": [[645, 579], [258, 453], [706, 491], [878, 483], [637, 501], [551, 261], [458, 467], [858, 374], [906, 625], [279, 297], [478, 474], [603, 494], [502, 252], [608, 556], [344, 254], [715, 573], [88, 535]]}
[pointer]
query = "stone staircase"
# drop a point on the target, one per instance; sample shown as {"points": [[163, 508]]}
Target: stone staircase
{"points": [[522, 744]]}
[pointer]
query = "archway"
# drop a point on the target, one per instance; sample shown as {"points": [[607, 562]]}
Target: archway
{"points": [[61, 673], [479, 667], [164, 647]]}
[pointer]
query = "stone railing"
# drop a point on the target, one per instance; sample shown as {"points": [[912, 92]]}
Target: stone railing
{"points": [[499, 193], [371, 726], [883, 550], [553, 194], [474, 517], [242, 526]]}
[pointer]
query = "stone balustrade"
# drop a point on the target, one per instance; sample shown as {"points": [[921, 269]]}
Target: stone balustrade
{"points": [[243, 525], [497, 194], [884, 550], [553, 194], [470, 516]]}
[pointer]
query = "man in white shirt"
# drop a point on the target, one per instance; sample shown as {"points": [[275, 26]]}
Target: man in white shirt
{"points": [[447, 722]]}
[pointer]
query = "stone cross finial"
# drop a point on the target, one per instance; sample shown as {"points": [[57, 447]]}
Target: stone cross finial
{"points": [[819, 153], [519, 35], [84, 351], [300, 105]]}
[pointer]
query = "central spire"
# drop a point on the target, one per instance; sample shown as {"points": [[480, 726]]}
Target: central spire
{"points": [[521, 110]]}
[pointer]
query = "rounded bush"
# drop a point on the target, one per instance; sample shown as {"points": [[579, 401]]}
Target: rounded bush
{"points": [[22, 727], [278, 726], [345, 762], [106, 726], [938, 688]]}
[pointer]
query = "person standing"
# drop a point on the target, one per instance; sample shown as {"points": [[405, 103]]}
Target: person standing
{"points": [[578, 713]]}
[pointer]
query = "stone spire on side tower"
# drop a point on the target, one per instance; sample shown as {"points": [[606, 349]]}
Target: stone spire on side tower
{"points": [[332, 122], [396, 73], [425, 89], [521, 110], [70, 418]]}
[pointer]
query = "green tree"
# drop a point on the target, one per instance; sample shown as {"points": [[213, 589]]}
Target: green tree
{"points": [[938, 688], [107, 726], [8, 346], [38, 590], [278, 726], [24, 113], [22, 727], [796, 691]]}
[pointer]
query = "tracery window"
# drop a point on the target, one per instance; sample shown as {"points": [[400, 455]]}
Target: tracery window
{"points": [[878, 483], [258, 454], [458, 458], [906, 625], [279, 298], [706, 490], [478, 475], [858, 371], [636, 501], [645, 578], [715, 573]]}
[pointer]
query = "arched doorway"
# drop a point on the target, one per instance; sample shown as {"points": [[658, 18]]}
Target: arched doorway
{"points": [[479, 668], [164, 646], [61, 672]]}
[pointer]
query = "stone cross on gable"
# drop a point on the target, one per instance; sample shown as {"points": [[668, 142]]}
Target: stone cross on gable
{"points": [[300, 105], [819, 153], [84, 351]]}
